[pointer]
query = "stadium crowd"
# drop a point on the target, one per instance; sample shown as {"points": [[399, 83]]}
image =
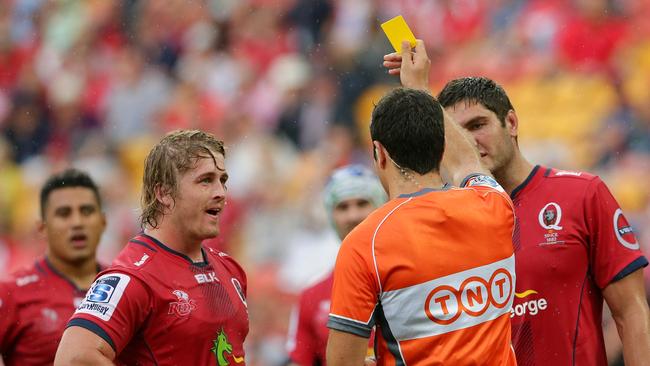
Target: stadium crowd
{"points": [[289, 85]]}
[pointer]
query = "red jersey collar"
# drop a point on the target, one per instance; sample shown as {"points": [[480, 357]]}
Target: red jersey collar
{"points": [[531, 181], [44, 266], [152, 243]]}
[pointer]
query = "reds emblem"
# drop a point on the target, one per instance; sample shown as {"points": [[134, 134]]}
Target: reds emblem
{"points": [[550, 216], [624, 232], [183, 306]]}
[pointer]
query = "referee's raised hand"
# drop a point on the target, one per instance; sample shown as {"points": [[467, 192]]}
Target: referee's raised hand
{"points": [[411, 65]]}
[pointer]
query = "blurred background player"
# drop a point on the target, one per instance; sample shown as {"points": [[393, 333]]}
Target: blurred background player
{"points": [[433, 268], [36, 303], [167, 300], [574, 247], [351, 194]]}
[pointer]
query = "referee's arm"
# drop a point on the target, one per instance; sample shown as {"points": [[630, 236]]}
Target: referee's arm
{"points": [[345, 349]]}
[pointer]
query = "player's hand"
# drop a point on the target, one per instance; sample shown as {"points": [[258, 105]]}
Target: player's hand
{"points": [[412, 67], [370, 361]]}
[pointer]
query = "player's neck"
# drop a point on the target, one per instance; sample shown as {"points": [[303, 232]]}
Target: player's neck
{"points": [[176, 240], [81, 274], [412, 182], [514, 173]]}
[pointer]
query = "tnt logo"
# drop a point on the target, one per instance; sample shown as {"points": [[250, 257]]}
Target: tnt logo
{"points": [[475, 295]]}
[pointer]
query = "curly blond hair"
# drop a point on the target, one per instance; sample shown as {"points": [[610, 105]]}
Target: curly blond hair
{"points": [[173, 156]]}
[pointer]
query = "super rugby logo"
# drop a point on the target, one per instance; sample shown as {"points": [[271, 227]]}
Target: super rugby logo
{"points": [[623, 231], [550, 216], [104, 295], [445, 304]]}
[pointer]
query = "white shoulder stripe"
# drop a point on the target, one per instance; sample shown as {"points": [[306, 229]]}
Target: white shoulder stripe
{"points": [[332, 315], [374, 236]]}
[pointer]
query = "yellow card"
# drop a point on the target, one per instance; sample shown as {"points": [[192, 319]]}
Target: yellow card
{"points": [[397, 31]]}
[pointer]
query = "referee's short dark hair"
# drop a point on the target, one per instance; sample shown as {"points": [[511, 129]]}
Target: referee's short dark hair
{"points": [[68, 178], [409, 123]]}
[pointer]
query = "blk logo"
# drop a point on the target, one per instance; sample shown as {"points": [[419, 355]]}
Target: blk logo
{"points": [[206, 277]]}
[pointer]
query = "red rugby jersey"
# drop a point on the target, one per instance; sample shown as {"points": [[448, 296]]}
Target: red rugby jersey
{"points": [[308, 332], [155, 306], [308, 329], [571, 241], [35, 305]]}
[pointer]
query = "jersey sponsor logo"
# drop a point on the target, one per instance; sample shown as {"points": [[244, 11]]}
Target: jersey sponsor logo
{"points": [[445, 304], [221, 348], [206, 277], [484, 181], [240, 291], [26, 280], [567, 172], [104, 295], [456, 301], [624, 232], [531, 306], [142, 260], [183, 306]]}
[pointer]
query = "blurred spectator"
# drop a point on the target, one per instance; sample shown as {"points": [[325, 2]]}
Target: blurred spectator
{"points": [[27, 128], [311, 18], [137, 95], [576, 42]]}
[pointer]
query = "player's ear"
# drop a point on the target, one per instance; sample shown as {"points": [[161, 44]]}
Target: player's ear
{"points": [[380, 154], [164, 196], [40, 226], [103, 218], [512, 123]]}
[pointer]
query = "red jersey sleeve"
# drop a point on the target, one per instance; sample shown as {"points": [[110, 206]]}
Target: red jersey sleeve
{"points": [[301, 343], [8, 315], [614, 249], [355, 289], [114, 308]]}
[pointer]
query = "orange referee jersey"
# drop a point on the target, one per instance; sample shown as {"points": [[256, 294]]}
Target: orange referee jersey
{"points": [[434, 271]]}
